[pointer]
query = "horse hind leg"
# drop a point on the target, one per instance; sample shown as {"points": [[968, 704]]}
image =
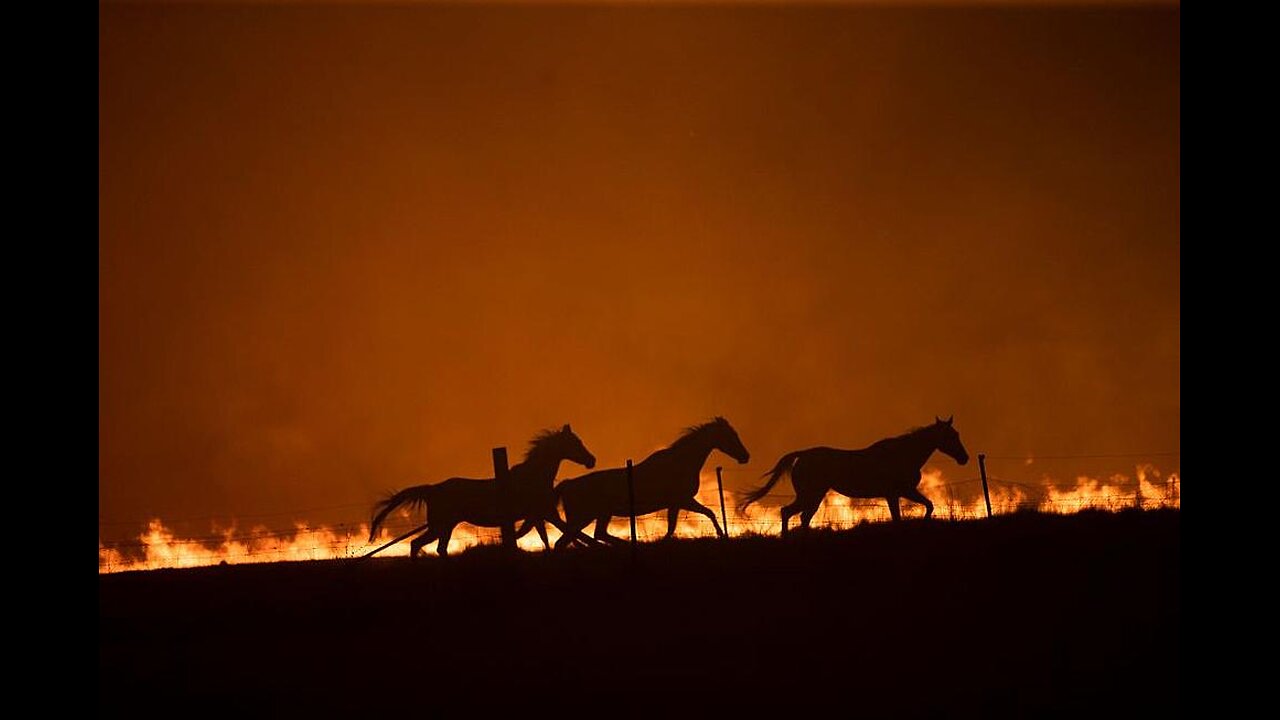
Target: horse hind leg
{"points": [[807, 505], [806, 515], [809, 494], [421, 541], [787, 512], [442, 548]]}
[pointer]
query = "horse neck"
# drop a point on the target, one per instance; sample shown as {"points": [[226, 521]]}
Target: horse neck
{"points": [[539, 467], [691, 452], [919, 447]]}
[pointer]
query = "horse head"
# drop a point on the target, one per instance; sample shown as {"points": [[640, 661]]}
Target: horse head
{"points": [[574, 450], [948, 440], [725, 439], [561, 444]]}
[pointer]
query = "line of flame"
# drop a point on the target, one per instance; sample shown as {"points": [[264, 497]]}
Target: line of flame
{"points": [[159, 548]]}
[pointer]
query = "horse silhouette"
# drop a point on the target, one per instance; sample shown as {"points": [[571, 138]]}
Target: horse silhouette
{"points": [[889, 468], [667, 480], [459, 500]]}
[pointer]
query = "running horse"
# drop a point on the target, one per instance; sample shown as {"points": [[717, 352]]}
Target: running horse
{"points": [[459, 500], [667, 480], [889, 468]]}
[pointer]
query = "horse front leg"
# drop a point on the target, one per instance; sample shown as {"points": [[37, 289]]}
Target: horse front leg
{"points": [[894, 509], [530, 524], [602, 531], [915, 495], [569, 534], [542, 534], [695, 506], [673, 518]]}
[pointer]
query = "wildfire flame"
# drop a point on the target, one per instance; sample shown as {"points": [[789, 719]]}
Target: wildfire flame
{"points": [[158, 547]]}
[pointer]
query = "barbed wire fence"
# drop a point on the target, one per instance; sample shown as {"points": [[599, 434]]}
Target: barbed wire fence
{"points": [[348, 539]]}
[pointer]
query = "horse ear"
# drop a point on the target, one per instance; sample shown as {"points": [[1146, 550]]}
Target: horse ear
{"points": [[951, 419], [565, 428], [937, 419]]}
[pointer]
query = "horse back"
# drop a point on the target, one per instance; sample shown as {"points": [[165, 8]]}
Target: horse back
{"points": [[461, 484], [593, 492], [855, 473]]}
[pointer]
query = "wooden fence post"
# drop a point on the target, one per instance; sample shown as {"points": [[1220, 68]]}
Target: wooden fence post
{"points": [[389, 543], [502, 478], [986, 494], [631, 507], [724, 518]]}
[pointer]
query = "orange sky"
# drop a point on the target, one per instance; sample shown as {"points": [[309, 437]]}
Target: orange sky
{"points": [[345, 249]]}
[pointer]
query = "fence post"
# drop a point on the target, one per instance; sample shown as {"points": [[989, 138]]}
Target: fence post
{"points": [[986, 494], [631, 507], [723, 517], [502, 478]]}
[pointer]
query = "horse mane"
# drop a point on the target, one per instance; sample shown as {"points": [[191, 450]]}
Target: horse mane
{"points": [[541, 442], [694, 431], [907, 434]]}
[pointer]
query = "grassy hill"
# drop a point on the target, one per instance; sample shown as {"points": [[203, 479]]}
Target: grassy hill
{"points": [[1023, 615]]}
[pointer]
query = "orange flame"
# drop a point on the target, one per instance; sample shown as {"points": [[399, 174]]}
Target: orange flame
{"points": [[158, 547]]}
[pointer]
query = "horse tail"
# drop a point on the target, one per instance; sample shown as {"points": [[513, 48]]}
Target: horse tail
{"points": [[415, 496], [784, 466]]}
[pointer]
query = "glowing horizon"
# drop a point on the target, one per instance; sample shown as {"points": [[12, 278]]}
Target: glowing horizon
{"points": [[158, 547]]}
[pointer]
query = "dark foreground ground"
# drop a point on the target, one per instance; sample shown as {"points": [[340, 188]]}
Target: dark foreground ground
{"points": [[1020, 616]]}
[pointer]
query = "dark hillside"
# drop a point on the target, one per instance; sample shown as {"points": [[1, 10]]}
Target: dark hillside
{"points": [[1024, 615]]}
